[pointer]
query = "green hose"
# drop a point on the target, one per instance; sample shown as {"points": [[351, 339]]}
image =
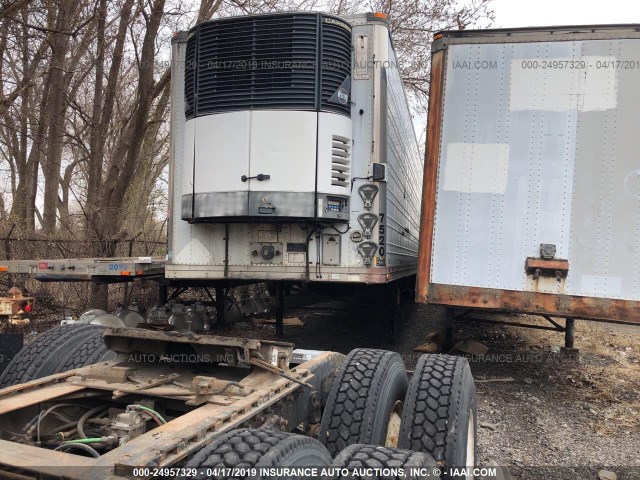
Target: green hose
{"points": [[150, 410], [85, 440]]}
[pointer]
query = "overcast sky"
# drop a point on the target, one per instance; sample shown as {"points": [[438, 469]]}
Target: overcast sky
{"points": [[518, 13]]}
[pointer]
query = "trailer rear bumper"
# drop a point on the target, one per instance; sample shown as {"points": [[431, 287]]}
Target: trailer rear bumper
{"points": [[569, 306], [373, 275]]}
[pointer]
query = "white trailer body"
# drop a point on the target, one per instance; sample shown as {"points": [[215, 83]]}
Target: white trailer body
{"points": [[308, 170], [532, 179]]}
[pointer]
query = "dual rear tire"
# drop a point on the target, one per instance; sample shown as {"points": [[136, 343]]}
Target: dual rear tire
{"points": [[237, 453], [374, 417], [440, 412], [414, 465], [243, 453], [362, 399], [437, 407]]}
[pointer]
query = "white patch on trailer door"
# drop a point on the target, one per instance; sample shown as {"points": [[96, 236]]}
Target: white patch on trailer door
{"points": [[585, 84], [600, 285], [476, 167], [600, 85]]}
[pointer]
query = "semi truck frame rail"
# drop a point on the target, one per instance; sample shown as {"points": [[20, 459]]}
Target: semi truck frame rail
{"points": [[155, 370]]}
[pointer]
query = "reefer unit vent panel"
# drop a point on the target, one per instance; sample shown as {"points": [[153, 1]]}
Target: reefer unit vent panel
{"points": [[268, 62], [335, 66]]}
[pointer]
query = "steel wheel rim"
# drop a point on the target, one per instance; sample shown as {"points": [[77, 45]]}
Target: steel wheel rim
{"points": [[393, 425], [471, 445]]}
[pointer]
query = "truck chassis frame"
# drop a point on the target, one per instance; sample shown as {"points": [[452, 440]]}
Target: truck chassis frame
{"points": [[268, 395]]}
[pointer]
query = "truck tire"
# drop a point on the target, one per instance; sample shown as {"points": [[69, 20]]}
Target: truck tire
{"points": [[87, 351], [249, 447], [48, 353], [364, 397], [440, 416], [374, 456]]}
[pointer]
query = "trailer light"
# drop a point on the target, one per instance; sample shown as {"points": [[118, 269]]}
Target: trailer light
{"points": [[27, 308], [125, 273], [268, 252], [367, 221], [4, 268]]}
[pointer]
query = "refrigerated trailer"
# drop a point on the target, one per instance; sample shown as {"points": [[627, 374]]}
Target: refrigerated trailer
{"points": [[293, 152], [531, 194]]}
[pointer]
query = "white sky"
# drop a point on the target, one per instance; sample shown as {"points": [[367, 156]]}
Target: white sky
{"points": [[520, 13]]}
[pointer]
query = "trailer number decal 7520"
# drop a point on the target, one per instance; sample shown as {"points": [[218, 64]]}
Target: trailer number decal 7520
{"points": [[381, 245]]}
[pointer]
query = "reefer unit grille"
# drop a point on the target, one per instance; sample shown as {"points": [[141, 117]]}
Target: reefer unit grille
{"points": [[268, 62], [189, 76], [336, 66]]}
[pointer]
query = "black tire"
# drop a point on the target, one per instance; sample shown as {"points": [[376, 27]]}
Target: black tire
{"points": [[49, 353], [362, 398], [87, 351], [248, 448], [372, 456], [437, 411]]}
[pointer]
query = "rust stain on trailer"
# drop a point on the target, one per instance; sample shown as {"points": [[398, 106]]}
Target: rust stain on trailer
{"points": [[546, 275], [432, 155], [535, 302]]}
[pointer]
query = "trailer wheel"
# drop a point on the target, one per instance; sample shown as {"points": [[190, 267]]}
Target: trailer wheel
{"points": [[248, 448], [51, 352], [374, 456], [365, 401], [440, 416]]}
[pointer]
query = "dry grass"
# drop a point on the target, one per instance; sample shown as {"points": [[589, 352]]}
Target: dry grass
{"points": [[608, 375], [614, 384]]}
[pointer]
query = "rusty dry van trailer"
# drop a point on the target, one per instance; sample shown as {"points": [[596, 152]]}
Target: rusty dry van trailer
{"points": [[531, 197]]}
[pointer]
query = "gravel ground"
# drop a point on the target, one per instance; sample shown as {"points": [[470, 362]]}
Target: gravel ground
{"points": [[553, 418]]}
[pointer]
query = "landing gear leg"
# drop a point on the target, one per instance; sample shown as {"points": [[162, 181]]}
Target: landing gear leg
{"points": [[569, 351], [163, 293], [220, 304], [449, 328], [569, 333], [279, 310], [393, 306]]}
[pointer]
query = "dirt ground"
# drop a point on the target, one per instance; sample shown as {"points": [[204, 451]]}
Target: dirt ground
{"points": [[553, 417]]}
